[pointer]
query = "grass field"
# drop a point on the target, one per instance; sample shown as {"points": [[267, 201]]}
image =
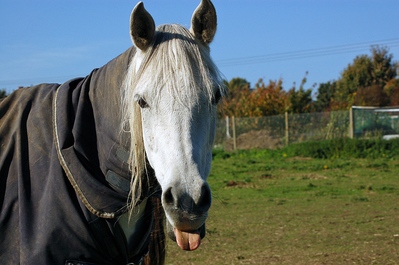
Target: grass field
{"points": [[270, 207]]}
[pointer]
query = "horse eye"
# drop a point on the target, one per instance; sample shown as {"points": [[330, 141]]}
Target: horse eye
{"points": [[216, 98], [142, 103]]}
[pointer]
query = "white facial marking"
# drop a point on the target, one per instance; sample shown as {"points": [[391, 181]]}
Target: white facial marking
{"points": [[178, 141]]}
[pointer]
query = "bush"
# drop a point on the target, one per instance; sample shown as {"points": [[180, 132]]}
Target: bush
{"points": [[327, 149], [345, 147]]}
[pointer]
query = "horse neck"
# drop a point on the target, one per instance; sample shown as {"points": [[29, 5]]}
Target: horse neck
{"points": [[105, 98], [105, 88]]}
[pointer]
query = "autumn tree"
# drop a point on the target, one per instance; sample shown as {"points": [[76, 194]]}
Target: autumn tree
{"points": [[263, 100], [367, 74], [394, 98], [392, 90], [269, 99], [372, 95], [238, 92], [368, 81]]}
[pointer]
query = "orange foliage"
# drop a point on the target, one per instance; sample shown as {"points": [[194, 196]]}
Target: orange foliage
{"points": [[264, 100], [395, 97]]}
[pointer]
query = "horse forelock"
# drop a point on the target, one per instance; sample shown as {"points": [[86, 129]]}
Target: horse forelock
{"points": [[180, 64], [175, 62]]}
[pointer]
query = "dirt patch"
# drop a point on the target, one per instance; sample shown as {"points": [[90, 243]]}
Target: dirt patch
{"points": [[299, 158], [254, 139], [266, 176], [233, 183], [313, 176]]}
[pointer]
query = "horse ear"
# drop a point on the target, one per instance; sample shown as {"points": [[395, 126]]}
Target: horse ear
{"points": [[142, 27], [204, 22]]}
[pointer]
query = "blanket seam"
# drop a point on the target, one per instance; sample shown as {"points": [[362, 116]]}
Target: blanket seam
{"points": [[67, 170]]}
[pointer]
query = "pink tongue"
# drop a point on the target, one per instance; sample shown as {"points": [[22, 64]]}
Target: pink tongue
{"points": [[187, 240]]}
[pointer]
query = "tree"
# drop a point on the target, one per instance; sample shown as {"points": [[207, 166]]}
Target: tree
{"points": [[356, 75], [236, 85], [384, 69], [394, 98], [325, 94], [371, 96], [392, 90], [268, 99], [263, 100], [300, 100], [391, 87], [367, 74], [238, 91]]}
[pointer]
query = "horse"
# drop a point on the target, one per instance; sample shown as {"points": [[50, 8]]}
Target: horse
{"points": [[89, 169]]}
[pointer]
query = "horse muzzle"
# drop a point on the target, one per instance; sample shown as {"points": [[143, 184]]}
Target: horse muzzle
{"points": [[186, 215]]}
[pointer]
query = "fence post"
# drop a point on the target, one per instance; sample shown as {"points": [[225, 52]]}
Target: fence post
{"points": [[287, 134], [227, 128], [233, 124], [351, 125]]}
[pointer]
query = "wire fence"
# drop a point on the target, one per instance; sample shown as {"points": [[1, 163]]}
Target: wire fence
{"points": [[277, 131]]}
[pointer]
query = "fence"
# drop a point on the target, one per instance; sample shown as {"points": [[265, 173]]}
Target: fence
{"points": [[276, 131]]}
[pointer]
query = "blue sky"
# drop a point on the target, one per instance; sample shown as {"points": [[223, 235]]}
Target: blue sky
{"points": [[55, 40]]}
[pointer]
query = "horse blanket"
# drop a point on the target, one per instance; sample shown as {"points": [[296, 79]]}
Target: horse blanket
{"points": [[64, 177]]}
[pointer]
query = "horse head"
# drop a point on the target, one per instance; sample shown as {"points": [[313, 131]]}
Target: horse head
{"points": [[174, 89]]}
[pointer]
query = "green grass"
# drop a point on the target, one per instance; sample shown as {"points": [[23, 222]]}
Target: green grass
{"points": [[279, 207]]}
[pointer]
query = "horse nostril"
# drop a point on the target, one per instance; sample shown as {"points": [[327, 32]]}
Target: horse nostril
{"points": [[168, 197], [205, 199]]}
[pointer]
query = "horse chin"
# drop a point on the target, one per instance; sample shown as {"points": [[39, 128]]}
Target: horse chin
{"points": [[186, 240]]}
